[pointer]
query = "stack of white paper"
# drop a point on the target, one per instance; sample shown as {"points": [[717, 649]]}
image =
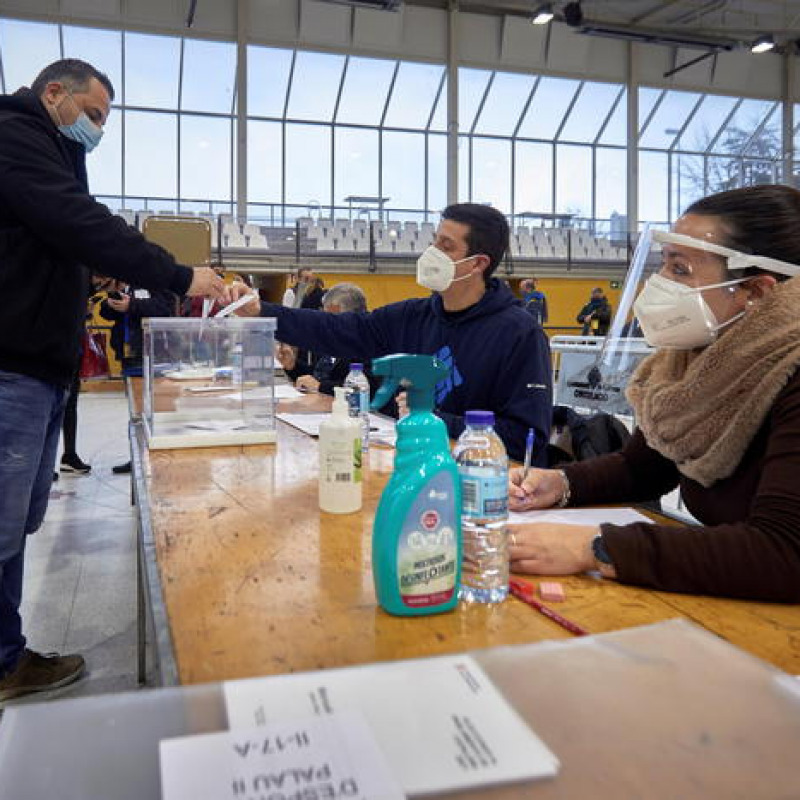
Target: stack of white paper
{"points": [[382, 429], [440, 722], [578, 516]]}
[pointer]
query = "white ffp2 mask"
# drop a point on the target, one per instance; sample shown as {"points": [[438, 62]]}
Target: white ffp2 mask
{"points": [[436, 270], [676, 316]]}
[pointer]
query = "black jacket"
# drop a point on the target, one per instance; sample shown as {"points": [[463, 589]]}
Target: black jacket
{"points": [[332, 372], [602, 313], [161, 303], [50, 226]]}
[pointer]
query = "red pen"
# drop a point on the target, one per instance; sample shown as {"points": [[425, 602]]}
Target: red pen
{"points": [[524, 591]]}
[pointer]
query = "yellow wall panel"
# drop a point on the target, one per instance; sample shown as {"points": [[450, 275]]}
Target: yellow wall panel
{"points": [[565, 296]]}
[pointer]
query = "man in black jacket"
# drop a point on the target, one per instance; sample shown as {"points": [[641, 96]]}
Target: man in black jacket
{"points": [[328, 372], [52, 232], [595, 316]]}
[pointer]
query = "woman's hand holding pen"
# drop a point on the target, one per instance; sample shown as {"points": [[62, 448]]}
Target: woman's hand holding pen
{"points": [[541, 488]]}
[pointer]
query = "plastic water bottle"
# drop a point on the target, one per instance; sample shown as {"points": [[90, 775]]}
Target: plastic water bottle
{"points": [[356, 388], [483, 469], [236, 366]]}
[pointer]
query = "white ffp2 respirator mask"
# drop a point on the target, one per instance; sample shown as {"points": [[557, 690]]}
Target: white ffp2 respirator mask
{"points": [[436, 270], [676, 316]]}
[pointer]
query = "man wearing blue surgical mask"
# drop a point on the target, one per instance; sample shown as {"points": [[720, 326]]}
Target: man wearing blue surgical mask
{"points": [[52, 232], [80, 116], [498, 356]]}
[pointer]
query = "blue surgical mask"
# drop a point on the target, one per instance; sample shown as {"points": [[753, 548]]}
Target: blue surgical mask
{"points": [[83, 130]]}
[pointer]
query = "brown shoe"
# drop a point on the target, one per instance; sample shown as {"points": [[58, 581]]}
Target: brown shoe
{"points": [[40, 673]]}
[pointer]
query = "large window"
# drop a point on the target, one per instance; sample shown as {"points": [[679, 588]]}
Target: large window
{"points": [[348, 135], [531, 146], [344, 135], [692, 144], [168, 140]]}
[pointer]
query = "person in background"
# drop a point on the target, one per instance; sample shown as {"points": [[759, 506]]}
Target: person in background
{"points": [[595, 316], [499, 359], [327, 372], [718, 413], [313, 297], [52, 232], [534, 301], [299, 283], [126, 308], [71, 462]]}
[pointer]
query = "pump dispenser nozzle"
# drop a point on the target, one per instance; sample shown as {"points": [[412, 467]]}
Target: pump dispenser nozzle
{"points": [[339, 407], [418, 376]]}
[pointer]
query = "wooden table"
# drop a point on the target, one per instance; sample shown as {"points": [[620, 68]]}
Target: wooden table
{"points": [[252, 579]]}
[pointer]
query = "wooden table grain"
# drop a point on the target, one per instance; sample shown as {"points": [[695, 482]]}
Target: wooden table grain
{"points": [[256, 580]]}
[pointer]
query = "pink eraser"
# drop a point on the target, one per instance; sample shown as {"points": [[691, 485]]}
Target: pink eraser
{"points": [[552, 591]]}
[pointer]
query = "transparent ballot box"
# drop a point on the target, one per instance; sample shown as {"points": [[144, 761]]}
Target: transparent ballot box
{"points": [[208, 382]]}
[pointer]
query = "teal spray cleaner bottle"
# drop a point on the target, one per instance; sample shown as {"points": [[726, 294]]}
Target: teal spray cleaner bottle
{"points": [[416, 539]]}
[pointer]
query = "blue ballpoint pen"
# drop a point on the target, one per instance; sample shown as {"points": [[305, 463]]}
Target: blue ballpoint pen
{"points": [[528, 453]]}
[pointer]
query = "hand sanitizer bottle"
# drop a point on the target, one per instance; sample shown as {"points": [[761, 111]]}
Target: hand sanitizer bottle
{"points": [[340, 460]]}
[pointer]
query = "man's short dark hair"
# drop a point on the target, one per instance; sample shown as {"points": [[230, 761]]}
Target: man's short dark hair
{"points": [[74, 74], [488, 232]]}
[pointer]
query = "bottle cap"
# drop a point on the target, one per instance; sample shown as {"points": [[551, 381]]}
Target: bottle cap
{"points": [[357, 367], [480, 418]]}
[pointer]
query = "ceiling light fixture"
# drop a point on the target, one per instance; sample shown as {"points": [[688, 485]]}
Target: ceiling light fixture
{"points": [[763, 44], [543, 14]]}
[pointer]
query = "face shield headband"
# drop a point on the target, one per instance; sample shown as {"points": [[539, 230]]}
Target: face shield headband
{"points": [[735, 259], [674, 315]]}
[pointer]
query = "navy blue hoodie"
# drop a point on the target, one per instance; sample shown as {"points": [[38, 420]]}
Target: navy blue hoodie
{"points": [[498, 356]]}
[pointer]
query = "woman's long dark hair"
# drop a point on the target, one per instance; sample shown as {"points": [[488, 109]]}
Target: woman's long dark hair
{"points": [[762, 220]]}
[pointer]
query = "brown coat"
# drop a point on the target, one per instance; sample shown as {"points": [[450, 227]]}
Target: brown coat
{"points": [[749, 543]]}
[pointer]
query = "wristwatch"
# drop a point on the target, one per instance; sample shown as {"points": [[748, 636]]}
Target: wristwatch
{"points": [[599, 550]]}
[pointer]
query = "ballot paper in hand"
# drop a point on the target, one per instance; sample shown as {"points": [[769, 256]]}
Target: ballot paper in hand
{"points": [[311, 757], [441, 722]]}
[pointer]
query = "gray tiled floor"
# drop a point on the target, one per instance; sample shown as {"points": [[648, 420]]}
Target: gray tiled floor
{"points": [[80, 584]]}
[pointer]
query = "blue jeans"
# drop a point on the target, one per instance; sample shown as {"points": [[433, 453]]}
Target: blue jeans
{"points": [[31, 412]]}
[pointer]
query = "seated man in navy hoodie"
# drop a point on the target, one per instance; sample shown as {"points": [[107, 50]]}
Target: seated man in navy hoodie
{"points": [[498, 356]]}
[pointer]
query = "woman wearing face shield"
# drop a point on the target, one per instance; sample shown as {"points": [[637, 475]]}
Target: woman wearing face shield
{"points": [[718, 414]]}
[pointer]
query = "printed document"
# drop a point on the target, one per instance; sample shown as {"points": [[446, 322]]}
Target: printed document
{"points": [[440, 722], [314, 757]]}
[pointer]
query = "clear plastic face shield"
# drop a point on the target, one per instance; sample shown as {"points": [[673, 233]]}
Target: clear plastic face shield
{"points": [[687, 287], [678, 294]]}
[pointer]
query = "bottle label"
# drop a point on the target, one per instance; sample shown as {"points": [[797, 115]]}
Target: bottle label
{"points": [[427, 552], [357, 402], [483, 493], [341, 462]]}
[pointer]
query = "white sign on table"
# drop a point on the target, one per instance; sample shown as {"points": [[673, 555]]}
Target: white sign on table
{"points": [[441, 722], [312, 757]]}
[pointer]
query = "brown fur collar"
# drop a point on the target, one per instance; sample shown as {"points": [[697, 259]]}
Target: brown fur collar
{"points": [[702, 408]]}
